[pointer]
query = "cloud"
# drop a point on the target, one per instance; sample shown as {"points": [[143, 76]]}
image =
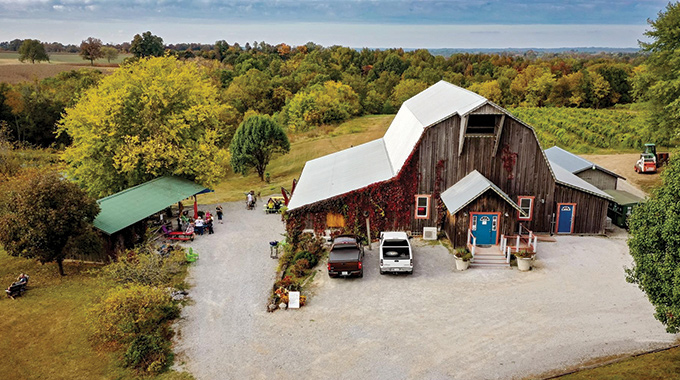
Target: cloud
{"points": [[509, 12]]}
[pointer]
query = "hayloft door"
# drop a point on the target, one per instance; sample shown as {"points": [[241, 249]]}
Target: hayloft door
{"points": [[485, 227], [565, 218]]}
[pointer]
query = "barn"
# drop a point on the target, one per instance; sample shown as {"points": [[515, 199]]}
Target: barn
{"points": [[450, 160]]}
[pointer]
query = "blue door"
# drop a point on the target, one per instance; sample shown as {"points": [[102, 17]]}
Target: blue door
{"points": [[485, 227], [565, 217]]}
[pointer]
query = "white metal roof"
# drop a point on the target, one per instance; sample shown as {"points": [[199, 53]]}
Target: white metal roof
{"points": [[382, 159], [438, 102], [463, 192], [565, 177], [342, 172], [572, 162]]}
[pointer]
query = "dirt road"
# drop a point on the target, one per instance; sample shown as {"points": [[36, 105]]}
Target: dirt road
{"points": [[622, 164]]}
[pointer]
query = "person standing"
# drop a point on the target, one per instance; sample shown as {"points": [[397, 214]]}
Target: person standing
{"points": [[209, 224], [219, 211], [199, 225]]}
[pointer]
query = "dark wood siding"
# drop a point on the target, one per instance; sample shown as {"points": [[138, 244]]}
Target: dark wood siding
{"points": [[531, 174], [456, 226], [591, 211], [598, 178]]}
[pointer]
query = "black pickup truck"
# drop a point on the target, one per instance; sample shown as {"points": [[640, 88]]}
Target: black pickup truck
{"points": [[346, 257]]}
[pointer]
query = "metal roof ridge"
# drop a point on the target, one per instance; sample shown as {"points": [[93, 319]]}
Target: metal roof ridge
{"points": [[115, 195]]}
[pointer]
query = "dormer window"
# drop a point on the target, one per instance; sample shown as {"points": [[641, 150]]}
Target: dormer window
{"points": [[481, 125]]}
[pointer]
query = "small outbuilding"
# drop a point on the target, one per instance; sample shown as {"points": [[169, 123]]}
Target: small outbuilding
{"points": [[621, 206], [596, 175]]}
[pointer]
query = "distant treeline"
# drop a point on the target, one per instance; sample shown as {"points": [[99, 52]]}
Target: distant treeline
{"points": [[309, 85]]}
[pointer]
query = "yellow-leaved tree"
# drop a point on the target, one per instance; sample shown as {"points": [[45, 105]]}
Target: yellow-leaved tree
{"points": [[154, 117]]}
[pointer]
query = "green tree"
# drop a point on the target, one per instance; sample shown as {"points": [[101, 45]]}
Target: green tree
{"points": [[49, 217], [147, 45], [655, 246], [157, 117], [256, 140], [33, 50], [110, 53], [321, 104], [406, 89], [91, 49], [664, 66]]}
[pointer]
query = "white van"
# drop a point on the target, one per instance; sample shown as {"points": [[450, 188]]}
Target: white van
{"points": [[396, 255]]}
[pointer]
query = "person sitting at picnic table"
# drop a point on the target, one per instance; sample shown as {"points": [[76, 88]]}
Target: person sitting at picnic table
{"points": [[199, 224], [271, 205], [190, 229]]}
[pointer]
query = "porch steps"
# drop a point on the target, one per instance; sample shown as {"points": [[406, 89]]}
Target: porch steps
{"points": [[489, 260]]}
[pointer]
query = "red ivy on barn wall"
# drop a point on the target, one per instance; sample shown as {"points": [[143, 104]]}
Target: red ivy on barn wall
{"points": [[441, 207], [388, 205], [509, 160]]}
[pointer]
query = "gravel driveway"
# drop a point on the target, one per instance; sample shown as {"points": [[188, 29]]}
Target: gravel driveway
{"points": [[439, 323]]}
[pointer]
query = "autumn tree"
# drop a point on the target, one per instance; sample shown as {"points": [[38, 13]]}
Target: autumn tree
{"points": [[157, 117], [91, 49], [49, 218], [654, 243], [147, 45], [663, 66], [257, 139], [33, 50]]}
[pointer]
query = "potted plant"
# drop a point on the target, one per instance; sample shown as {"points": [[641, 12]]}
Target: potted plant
{"points": [[463, 257], [524, 259]]}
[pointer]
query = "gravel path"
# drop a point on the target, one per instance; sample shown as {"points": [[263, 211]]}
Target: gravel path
{"points": [[439, 323]]}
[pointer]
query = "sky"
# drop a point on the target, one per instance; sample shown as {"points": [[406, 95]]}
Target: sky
{"points": [[464, 24]]}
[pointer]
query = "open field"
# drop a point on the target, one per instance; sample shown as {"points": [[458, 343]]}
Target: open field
{"points": [[622, 164], [13, 71], [44, 333], [664, 365], [303, 147]]}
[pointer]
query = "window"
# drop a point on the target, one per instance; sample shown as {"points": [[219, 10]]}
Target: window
{"points": [[422, 206], [526, 203], [481, 125]]}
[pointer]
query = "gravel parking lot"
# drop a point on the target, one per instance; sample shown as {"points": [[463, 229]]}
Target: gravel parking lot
{"points": [[439, 323]]}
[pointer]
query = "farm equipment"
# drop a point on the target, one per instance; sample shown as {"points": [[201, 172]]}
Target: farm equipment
{"points": [[650, 160]]}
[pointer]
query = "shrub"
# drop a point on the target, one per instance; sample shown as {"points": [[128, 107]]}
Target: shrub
{"points": [[149, 353], [305, 255], [300, 267], [145, 268], [127, 313]]}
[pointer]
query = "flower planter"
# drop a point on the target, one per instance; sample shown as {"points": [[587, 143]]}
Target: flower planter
{"points": [[462, 264], [524, 263]]}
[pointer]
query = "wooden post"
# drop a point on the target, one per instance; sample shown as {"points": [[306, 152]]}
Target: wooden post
{"points": [[368, 233]]}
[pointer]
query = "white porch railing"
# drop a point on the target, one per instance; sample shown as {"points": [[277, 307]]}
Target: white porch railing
{"points": [[472, 242]]}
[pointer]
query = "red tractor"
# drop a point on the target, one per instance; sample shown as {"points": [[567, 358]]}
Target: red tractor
{"points": [[650, 160]]}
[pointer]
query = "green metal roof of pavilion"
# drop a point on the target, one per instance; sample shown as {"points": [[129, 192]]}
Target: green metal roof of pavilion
{"points": [[136, 203]]}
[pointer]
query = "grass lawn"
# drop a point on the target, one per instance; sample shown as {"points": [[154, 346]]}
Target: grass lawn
{"points": [[303, 147], [13, 57], [659, 365], [44, 333]]}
